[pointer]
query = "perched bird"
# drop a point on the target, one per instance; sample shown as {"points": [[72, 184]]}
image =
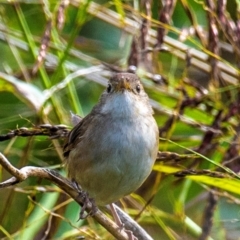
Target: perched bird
{"points": [[111, 151]]}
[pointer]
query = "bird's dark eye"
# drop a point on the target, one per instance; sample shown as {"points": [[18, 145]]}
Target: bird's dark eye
{"points": [[138, 88], [109, 87]]}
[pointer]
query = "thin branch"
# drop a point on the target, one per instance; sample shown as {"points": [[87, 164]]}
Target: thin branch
{"points": [[208, 216], [60, 20], [171, 156], [202, 172], [53, 131]]}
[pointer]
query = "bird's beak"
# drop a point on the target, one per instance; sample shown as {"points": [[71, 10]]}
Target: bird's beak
{"points": [[123, 84]]}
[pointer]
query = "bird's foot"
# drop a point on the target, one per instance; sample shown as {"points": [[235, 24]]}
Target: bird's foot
{"points": [[121, 224], [130, 235], [128, 232], [86, 200]]}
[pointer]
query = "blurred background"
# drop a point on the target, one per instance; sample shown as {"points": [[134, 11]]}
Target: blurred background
{"points": [[56, 58]]}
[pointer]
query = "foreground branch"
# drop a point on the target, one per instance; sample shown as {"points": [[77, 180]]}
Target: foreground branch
{"points": [[53, 131], [19, 175]]}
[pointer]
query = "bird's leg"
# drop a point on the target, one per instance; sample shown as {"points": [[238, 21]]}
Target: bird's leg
{"points": [[120, 224], [115, 216], [86, 200]]}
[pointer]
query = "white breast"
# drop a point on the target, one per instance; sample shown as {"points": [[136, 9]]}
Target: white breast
{"points": [[122, 104]]}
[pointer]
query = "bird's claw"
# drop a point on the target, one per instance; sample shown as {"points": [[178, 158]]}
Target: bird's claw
{"points": [[86, 201]]}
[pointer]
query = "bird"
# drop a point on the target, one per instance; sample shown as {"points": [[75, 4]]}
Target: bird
{"points": [[112, 150]]}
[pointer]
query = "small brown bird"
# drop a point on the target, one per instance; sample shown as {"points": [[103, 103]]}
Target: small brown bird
{"points": [[112, 150]]}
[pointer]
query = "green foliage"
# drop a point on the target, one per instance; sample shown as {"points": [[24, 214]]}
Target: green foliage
{"points": [[197, 113]]}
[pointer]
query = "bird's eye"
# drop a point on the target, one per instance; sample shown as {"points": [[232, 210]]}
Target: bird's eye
{"points": [[109, 87], [138, 88]]}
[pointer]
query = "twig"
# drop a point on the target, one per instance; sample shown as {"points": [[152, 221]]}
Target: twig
{"points": [[202, 172], [165, 17], [208, 216], [53, 131], [171, 156]]}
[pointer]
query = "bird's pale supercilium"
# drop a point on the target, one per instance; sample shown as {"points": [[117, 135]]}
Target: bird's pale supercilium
{"points": [[112, 150]]}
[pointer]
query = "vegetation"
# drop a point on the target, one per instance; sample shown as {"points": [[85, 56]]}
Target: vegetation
{"points": [[56, 57]]}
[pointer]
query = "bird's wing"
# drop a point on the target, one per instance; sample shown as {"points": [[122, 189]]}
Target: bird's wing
{"points": [[76, 134]]}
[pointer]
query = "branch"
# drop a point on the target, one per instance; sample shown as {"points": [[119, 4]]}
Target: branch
{"points": [[20, 175], [53, 131]]}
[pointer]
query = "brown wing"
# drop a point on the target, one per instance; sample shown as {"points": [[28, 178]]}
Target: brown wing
{"points": [[75, 134]]}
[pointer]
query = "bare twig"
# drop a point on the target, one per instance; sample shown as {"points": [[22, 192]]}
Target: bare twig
{"points": [[133, 59], [53, 131], [165, 17], [43, 47], [61, 13], [213, 43], [171, 156], [208, 216], [203, 172]]}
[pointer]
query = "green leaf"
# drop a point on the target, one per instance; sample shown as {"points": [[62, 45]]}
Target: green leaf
{"points": [[228, 184]]}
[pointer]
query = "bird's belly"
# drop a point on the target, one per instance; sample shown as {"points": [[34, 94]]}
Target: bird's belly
{"points": [[117, 166], [114, 182]]}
